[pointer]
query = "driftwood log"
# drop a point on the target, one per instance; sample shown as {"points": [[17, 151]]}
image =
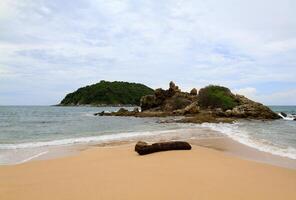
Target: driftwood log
{"points": [[144, 148]]}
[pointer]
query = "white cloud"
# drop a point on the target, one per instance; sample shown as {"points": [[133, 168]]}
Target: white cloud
{"points": [[232, 43], [287, 97], [248, 92]]}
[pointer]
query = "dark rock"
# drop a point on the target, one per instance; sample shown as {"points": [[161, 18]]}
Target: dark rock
{"points": [[193, 92], [103, 113], [148, 102], [172, 85], [283, 114], [122, 110], [96, 114], [143, 148]]}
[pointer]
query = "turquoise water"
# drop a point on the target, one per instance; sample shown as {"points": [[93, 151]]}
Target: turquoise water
{"points": [[29, 124], [285, 109], [29, 127]]}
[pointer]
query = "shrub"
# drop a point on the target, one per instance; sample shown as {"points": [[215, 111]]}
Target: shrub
{"points": [[216, 97]]}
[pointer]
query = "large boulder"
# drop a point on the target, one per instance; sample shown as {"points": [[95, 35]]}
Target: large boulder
{"points": [[251, 109], [193, 108], [176, 102], [193, 92], [166, 100], [148, 102]]}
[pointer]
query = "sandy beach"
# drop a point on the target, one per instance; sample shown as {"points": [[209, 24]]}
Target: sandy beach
{"points": [[117, 172]]}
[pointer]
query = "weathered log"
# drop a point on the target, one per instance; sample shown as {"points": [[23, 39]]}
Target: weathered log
{"points": [[144, 148]]}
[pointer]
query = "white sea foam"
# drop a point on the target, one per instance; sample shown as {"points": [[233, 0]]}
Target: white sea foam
{"points": [[288, 117], [33, 157], [233, 131], [101, 138]]}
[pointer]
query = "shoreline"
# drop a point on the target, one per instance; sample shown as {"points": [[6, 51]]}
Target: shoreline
{"points": [[220, 142], [117, 172]]}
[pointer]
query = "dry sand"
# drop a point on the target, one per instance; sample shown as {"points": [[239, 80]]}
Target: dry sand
{"points": [[118, 173]]}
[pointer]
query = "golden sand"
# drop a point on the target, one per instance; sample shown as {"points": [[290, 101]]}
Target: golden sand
{"points": [[118, 173]]}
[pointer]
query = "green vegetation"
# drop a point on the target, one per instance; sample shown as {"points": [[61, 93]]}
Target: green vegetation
{"points": [[216, 97], [108, 93]]}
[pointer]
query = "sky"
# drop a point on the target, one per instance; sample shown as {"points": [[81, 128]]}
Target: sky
{"points": [[51, 48]]}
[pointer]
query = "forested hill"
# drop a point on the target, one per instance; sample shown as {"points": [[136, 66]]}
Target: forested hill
{"points": [[108, 93]]}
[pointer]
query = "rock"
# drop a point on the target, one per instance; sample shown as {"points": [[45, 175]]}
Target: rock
{"points": [[172, 85], [103, 113], [203, 117], [166, 100], [178, 101], [250, 109], [193, 108], [238, 111], [143, 148], [219, 112], [136, 110], [283, 114], [148, 102], [122, 110], [188, 110], [228, 113], [211, 102], [99, 113], [193, 92], [173, 89]]}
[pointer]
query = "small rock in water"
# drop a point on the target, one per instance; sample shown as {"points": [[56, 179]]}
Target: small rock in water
{"points": [[283, 114]]}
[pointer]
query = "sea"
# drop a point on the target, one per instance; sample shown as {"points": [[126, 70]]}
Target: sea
{"points": [[28, 132]]}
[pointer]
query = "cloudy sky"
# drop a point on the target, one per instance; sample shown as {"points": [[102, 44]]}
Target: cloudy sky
{"points": [[50, 48]]}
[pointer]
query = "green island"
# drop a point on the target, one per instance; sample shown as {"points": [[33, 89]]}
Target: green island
{"points": [[107, 93]]}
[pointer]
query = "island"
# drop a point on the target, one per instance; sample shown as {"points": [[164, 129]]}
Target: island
{"points": [[210, 104], [106, 93]]}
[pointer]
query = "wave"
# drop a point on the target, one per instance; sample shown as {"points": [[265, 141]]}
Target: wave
{"points": [[81, 140], [233, 131], [33, 157], [289, 117]]}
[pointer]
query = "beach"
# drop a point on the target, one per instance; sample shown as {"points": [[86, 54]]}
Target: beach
{"points": [[117, 172]]}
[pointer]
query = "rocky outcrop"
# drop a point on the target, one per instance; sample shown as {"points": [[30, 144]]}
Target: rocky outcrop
{"points": [[143, 148], [167, 100], [247, 108], [210, 104]]}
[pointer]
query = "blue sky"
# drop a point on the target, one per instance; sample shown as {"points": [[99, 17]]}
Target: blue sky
{"points": [[50, 48]]}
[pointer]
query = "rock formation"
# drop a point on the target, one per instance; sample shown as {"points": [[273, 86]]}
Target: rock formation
{"points": [[212, 103], [167, 100]]}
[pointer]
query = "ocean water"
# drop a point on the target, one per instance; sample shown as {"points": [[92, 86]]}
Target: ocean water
{"points": [[26, 131]]}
